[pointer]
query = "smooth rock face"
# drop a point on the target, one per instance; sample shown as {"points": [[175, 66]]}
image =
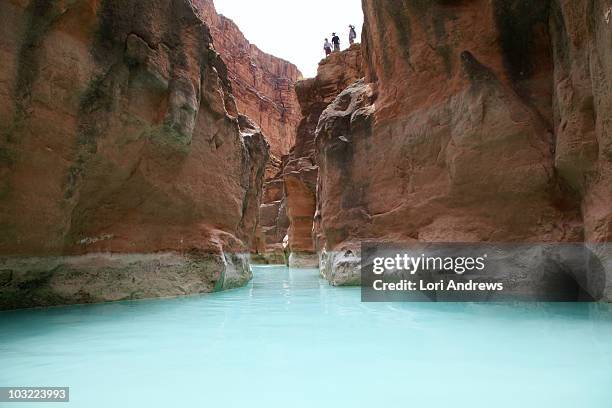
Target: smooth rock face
{"points": [[335, 73], [478, 121], [262, 83], [119, 134]]}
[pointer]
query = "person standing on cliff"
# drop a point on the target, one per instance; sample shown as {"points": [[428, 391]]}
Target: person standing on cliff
{"points": [[327, 47], [336, 42], [352, 34]]}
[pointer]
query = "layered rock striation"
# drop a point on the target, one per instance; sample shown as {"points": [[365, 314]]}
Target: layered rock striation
{"points": [[262, 83], [126, 169], [477, 121]]}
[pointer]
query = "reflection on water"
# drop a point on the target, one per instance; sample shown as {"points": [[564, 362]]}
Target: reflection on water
{"points": [[290, 340]]}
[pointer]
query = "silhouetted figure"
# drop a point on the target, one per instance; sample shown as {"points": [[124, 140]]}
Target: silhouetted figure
{"points": [[352, 34], [327, 47], [336, 42]]}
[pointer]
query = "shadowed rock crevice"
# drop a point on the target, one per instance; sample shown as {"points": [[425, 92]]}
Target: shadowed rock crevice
{"points": [[517, 22]]}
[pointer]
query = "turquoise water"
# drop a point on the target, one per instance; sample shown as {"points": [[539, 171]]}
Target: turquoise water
{"points": [[290, 340]]}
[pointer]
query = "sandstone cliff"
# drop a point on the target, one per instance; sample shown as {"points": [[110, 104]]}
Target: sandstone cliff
{"points": [[264, 89], [262, 83], [478, 121], [300, 172], [126, 170], [273, 221]]}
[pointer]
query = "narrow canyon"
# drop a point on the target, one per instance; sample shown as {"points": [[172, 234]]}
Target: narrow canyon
{"points": [[147, 149]]}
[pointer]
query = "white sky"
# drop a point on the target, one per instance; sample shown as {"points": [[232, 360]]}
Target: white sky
{"points": [[294, 29]]}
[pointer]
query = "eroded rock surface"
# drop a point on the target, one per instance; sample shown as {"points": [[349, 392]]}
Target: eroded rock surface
{"points": [[273, 217], [478, 121], [262, 83], [120, 135], [264, 89], [335, 73]]}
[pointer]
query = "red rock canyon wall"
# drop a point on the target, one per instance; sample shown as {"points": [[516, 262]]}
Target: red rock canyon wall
{"points": [[262, 83], [126, 170], [300, 172], [264, 89], [478, 121]]}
